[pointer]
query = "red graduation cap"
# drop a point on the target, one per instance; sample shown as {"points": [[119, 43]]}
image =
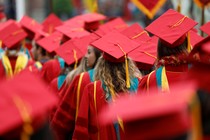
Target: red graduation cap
{"points": [[72, 31], [136, 32], [116, 47], [75, 21], [11, 34], [4, 24], [206, 28], [30, 25], [51, 42], [50, 23], [92, 20], [145, 55], [70, 52], [157, 116], [73, 50], [194, 38], [116, 24], [25, 105], [171, 27]]}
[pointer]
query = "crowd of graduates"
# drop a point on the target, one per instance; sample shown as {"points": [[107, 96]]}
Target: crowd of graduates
{"points": [[95, 77]]}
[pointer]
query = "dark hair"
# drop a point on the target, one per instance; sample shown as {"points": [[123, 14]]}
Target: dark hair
{"points": [[163, 50]]}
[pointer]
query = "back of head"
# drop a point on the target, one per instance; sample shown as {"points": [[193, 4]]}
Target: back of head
{"points": [[164, 50]]}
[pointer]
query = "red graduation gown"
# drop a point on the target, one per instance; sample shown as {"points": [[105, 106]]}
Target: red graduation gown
{"points": [[173, 73], [87, 124], [63, 121], [50, 70]]}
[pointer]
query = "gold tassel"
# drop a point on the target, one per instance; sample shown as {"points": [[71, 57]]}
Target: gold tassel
{"points": [[127, 73], [188, 42], [126, 67], [75, 58], [164, 81]]}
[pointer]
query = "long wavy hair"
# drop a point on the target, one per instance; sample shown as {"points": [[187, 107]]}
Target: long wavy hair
{"points": [[113, 74], [73, 73], [82, 67]]}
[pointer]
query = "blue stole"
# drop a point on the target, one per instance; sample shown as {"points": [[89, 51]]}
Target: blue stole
{"points": [[91, 74], [158, 77], [61, 80], [61, 62]]}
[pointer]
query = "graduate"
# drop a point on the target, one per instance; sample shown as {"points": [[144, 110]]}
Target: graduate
{"points": [[13, 59], [63, 121], [173, 46], [72, 52], [114, 73]]}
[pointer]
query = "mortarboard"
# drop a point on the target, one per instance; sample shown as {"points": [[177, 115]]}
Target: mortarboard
{"points": [[206, 28], [50, 23], [73, 50], [92, 20], [116, 24], [70, 52], [11, 34], [136, 32], [51, 42], [72, 31], [171, 28], [75, 21], [194, 38], [116, 47], [145, 55], [157, 116], [31, 26], [25, 105]]}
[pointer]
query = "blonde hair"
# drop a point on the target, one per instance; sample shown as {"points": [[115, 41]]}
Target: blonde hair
{"points": [[72, 74], [113, 74]]}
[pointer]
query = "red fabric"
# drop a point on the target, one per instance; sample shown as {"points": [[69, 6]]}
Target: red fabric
{"points": [[50, 70], [205, 28], [206, 137], [204, 2], [173, 73], [54, 85], [87, 124], [149, 4], [63, 121]]}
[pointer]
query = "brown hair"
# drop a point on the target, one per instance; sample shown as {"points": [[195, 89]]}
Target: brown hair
{"points": [[113, 74]]}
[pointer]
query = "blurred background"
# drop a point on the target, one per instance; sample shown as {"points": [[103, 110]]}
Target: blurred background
{"points": [[39, 9]]}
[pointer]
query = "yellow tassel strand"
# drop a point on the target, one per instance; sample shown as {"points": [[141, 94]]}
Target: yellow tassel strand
{"points": [[126, 67], [75, 58], [188, 42]]}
